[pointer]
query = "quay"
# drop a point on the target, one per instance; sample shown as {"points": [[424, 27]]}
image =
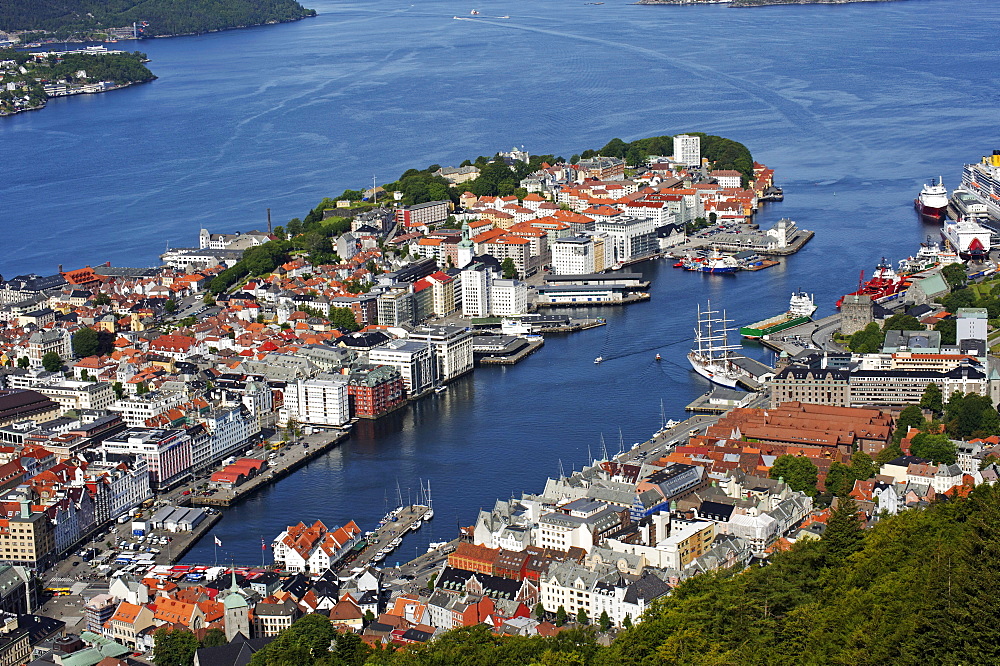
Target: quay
{"points": [[816, 334], [575, 325], [624, 300], [503, 349], [291, 458], [719, 400], [403, 521]]}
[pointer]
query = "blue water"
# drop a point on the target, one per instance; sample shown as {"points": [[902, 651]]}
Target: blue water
{"points": [[855, 106]]}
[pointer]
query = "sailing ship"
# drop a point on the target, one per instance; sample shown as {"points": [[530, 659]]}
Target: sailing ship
{"points": [[713, 357]]}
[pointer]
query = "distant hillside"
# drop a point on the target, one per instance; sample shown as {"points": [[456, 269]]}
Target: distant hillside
{"points": [[165, 17]]}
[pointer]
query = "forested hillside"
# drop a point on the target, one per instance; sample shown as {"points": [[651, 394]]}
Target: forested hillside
{"points": [[165, 17], [919, 588]]}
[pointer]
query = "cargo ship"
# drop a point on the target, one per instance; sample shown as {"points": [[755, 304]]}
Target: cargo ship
{"points": [[982, 182], [713, 357], [932, 203], [885, 285], [800, 309]]}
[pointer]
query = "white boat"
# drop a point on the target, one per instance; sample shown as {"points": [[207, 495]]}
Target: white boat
{"points": [[440, 389], [599, 359], [801, 304], [428, 515], [713, 357], [396, 543], [415, 525], [379, 556]]}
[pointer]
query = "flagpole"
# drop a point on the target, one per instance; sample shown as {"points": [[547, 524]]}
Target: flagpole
{"points": [[216, 552]]}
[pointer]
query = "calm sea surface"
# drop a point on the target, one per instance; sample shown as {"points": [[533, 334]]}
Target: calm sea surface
{"points": [[854, 105]]}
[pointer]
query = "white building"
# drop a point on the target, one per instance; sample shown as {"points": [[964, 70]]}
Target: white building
{"points": [[73, 394], [575, 255], [137, 409], [452, 349], [167, 452], [414, 361], [508, 297], [322, 401], [229, 429], [687, 149], [629, 237], [121, 485], [476, 279]]}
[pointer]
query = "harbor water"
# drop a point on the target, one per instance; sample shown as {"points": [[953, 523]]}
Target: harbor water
{"points": [[855, 106]]}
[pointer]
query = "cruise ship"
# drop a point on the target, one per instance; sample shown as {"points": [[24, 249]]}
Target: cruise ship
{"points": [[982, 181]]}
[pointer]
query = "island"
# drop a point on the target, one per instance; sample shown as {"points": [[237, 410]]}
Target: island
{"points": [[28, 80], [31, 21]]}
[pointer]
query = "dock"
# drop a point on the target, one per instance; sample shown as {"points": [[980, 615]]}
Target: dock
{"points": [[404, 521], [279, 467], [501, 357], [816, 334], [719, 400], [627, 300]]}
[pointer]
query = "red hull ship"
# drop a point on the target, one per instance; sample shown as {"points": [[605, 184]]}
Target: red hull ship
{"points": [[885, 285]]}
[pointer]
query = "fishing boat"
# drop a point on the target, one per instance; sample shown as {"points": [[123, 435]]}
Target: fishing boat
{"points": [[713, 357]]}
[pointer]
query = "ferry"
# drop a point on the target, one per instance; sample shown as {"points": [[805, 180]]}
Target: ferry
{"points": [[970, 239], [800, 310]]}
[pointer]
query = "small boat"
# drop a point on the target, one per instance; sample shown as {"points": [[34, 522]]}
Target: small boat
{"points": [[658, 357], [440, 389], [475, 12], [396, 543], [415, 526], [599, 359], [379, 556], [428, 515]]}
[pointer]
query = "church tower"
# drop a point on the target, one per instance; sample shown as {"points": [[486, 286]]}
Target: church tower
{"points": [[237, 612]]}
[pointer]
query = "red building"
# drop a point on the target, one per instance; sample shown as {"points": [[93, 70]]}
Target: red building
{"points": [[375, 392]]}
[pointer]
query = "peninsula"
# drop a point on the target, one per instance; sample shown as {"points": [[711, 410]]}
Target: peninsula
{"points": [[46, 20], [29, 80]]}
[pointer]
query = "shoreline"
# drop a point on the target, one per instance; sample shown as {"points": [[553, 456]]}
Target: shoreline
{"points": [[5, 114]]}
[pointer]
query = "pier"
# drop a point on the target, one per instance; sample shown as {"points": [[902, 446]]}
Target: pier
{"points": [[291, 458], [816, 334], [403, 522]]}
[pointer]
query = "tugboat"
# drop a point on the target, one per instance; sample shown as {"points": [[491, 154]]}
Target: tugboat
{"points": [[932, 203]]}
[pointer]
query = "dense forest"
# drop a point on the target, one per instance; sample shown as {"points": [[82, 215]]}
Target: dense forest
{"points": [[918, 588], [165, 17]]}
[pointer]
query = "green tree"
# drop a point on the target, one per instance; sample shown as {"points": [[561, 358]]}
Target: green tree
{"points": [[843, 531], [344, 318], [141, 388], [509, 268], [932, 398], [430, 581], [910, 416], [627, 621], [955, 275], [561, 616], [604, 621], [948, 328], [839, 480], [214, 638], [52, 362], [862, 466], [174, 647], [890, 452], [798, 472], [902, 322], [306, 641], [23, 362], [85, 342], [936, 448], [118, 389], [868, 340], [84, 375], [170, 306], [539, 611], [581, 617], [102, 299]]}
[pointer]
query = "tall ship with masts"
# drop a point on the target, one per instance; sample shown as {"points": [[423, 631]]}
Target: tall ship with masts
{"points": [[713, 357]]}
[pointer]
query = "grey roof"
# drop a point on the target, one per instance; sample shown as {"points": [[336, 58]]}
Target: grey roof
{"points": [[647, 588]]}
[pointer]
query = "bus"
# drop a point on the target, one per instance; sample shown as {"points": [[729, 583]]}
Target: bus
{"points": [[58, 591]]}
